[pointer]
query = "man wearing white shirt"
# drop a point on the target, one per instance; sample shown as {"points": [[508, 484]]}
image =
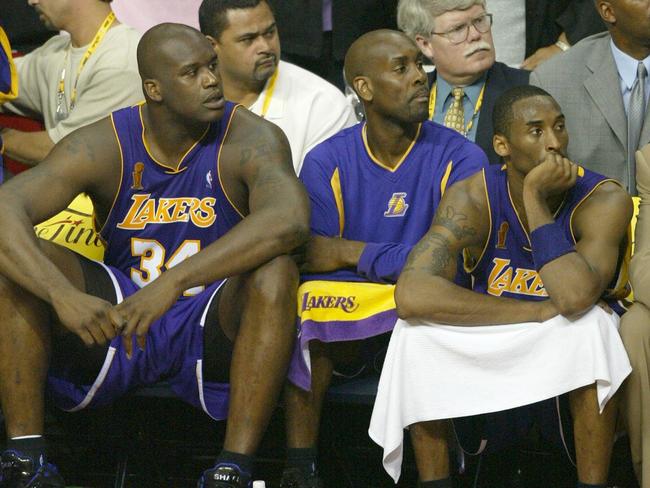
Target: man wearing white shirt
{"points": [[602, 86], [307, 108]]}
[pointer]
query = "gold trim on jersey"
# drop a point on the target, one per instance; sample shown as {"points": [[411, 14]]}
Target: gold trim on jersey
{"points": [[13, 74], [445, 178], [170, 169], [119, 187], [335, 182], [223, 141], [466, 255], [364, 137]]}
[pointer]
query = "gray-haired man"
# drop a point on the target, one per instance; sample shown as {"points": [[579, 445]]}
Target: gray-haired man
{"points": [[456, 35]]}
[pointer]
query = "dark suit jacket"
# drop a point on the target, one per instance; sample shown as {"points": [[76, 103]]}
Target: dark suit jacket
{"points": [[499, 78], [301, 30], [547, 19]]}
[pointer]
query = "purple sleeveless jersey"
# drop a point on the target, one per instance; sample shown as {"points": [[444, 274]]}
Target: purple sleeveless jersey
{"points": [[506, 267], [160, 217]]}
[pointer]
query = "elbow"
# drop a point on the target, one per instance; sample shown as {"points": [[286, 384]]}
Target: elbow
{"points": [[404, 299], [573, 305]]}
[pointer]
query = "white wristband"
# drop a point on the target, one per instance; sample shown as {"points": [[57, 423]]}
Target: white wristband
{"points": [[562, 45]]}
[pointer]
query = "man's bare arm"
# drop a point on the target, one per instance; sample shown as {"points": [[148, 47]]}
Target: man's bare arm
{"points": [[324, 254], [26, 147], [425, 289], [85, 161], [576, 281]]}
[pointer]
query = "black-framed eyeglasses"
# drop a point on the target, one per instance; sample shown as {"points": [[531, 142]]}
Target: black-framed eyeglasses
{"points": [[459, 34]]}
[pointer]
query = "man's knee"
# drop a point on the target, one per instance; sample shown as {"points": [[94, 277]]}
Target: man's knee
{"points": [[275, 281]]}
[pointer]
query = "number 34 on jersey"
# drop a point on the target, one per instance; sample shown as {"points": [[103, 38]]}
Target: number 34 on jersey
{"points": [[154, 260]]}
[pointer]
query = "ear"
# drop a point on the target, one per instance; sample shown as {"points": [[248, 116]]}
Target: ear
{"points": [[152, 90], [215, 44], [363, 87], [606, 11], [212, 40], [425, 46], [501, 145]]}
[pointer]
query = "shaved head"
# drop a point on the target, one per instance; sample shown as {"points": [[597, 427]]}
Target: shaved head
{"points": [[163, 43], [364, 53], [384, 67]]}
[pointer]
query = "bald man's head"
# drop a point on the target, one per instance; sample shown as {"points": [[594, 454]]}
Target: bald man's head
{"points": [[384, 67], [361, 56], [165, 41], [179, 73]]}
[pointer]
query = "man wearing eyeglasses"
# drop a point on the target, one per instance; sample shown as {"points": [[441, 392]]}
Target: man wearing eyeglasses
{"points": [[456, 35]]}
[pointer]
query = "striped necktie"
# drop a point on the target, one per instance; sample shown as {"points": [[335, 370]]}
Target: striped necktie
{"points": [[455, 116], [635, 118]]}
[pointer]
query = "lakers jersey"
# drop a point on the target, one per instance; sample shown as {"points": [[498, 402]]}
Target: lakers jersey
{"points": [[506, 267], [163, 215], [354, 196]]}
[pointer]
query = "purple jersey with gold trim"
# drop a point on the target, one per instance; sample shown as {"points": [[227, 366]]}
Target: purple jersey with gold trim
{"points": [[161, 215], [354, 196], [506, 268]]}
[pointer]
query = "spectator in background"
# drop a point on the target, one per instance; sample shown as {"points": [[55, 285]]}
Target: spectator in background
{"points": [[456, 35], [327, 29], [635, 329], [22, 26], [144, 14], [536, 30], [73, 80], [307, 108]]}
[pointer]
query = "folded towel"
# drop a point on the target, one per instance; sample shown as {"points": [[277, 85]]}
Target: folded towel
{"points": [[335, 311], [435, 371]]}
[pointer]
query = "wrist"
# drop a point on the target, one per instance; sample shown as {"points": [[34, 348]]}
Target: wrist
{"points": [[562, 45], [349, 252], [59, 294]]}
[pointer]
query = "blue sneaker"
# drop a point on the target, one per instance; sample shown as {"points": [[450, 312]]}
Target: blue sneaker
{"points": [[225, 476], [20, 471]]}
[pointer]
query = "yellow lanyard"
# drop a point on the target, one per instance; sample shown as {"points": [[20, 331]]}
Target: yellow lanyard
{"points": [[62, 111], [269, 93], [477, 108]]}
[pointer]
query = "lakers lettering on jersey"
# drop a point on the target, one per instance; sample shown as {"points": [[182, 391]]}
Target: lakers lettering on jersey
{"points": [[146, 210], [519, 281]]}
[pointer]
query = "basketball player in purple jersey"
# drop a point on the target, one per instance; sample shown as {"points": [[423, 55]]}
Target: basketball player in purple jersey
{"points": [[542, 237], [374, 189], [188, 190]]}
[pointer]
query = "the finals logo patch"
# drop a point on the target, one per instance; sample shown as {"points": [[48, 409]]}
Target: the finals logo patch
{"points": [[397, 205], [138, 169]]}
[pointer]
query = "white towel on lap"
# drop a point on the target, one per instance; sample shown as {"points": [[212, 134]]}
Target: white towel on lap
{"points": [[437, 371]]}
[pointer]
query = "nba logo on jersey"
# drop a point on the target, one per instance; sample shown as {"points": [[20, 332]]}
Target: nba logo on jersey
{"points": [[397, 205], [208, 179]]}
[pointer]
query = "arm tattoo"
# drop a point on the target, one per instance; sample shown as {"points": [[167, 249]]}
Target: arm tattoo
{"points": [[455, 223], [77, 145], [437, 247]]}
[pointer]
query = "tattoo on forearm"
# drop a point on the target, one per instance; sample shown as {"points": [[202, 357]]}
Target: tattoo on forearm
{"points": [[437, 247], [455, 222]]}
